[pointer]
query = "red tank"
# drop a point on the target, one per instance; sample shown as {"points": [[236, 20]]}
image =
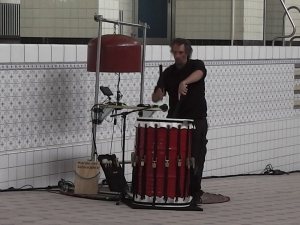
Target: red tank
{"points": [[119, 53]]}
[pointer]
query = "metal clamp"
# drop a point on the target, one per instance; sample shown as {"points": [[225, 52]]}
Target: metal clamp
{"points": [[142, 162], [167, 164], [179, 162], [154, 163], [133, 159]]}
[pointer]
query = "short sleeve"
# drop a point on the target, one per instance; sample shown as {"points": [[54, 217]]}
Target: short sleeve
{"points": [[199, 65]]}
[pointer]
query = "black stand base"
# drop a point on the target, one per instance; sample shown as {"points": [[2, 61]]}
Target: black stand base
{"points": [[105, 196], [130, 203]]}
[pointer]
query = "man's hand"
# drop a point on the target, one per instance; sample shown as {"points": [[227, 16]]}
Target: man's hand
{"points": [[158, 94], [182, 89]]}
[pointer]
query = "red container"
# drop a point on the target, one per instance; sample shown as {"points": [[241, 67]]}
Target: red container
{"points": [[119, 53]]}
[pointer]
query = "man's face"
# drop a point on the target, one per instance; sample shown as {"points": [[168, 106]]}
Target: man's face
{"points": [[179, 54]]}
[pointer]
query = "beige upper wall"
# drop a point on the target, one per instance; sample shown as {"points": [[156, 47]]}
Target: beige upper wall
{"points": [[66, 18], [10, 1], [195, 19], [203, 19], [211, 19]]}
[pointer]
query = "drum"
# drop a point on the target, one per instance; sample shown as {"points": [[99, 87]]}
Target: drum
{"points": [[162, 161]]}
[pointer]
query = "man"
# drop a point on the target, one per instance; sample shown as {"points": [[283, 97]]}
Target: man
{"points": [[184, 83]]}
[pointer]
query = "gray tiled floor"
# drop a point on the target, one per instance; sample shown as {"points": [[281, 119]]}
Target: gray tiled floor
{"points": [[262, 200]]}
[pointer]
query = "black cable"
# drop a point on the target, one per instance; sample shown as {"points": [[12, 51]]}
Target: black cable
{"points": [[112, 138], [94, 141], [119, 94], [29, 189], [268, 167]]}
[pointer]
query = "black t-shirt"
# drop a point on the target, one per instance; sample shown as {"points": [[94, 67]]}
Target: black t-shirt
{"points": [[193, 105]]}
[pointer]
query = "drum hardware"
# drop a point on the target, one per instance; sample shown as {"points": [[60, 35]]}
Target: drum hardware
{"points": [[179, 162], [188, 163], [167, 163], [142, 162], [154, 163], [133, 159]]}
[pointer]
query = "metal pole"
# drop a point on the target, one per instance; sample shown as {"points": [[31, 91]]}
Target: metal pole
{"points": [[94, 126], [143, 64], [99, 17], [121, 18], [265, 22], [232, 20]]}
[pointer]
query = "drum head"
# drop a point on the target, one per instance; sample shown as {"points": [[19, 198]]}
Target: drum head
{"points": [[166, 122]]}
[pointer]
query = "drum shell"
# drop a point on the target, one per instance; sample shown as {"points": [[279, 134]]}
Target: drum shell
{"points": [[178, 143]]}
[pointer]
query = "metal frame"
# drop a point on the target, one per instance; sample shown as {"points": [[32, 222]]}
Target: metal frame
{"points": [[292, 22], [264, 23], [292, 39], [100, 20], [232, 21], [283, 27]]}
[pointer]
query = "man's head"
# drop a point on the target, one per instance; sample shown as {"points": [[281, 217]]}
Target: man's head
{"points": [[181, 50]]}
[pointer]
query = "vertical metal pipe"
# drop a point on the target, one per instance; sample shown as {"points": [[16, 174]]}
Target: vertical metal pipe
{"points": [[94, 126], [121, 18], [265, 23], [232, 21], [143, 64], [1, 15]]}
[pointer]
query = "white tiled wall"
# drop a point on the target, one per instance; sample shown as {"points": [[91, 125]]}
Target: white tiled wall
{"points": [[46, 95]]}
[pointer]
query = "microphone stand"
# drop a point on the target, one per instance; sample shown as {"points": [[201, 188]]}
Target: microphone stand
{"points": [[124, 115]]}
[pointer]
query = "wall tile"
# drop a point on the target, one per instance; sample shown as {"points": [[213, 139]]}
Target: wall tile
{"points": [[17, 53], [225, 52], [262, 52], [248, 52], [45, 53], [201, 52], [70, 53], [3, 162], [31, 53], [233, 52], [288, 52], [4, 175], [241, 52], [255, 52], [269, 52], [57, 53], [4, 53], [218, 52], [282, 52], [148, 56], [156, 52], [276, 52], [165, 53], [209, 52], [81, 53]]}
